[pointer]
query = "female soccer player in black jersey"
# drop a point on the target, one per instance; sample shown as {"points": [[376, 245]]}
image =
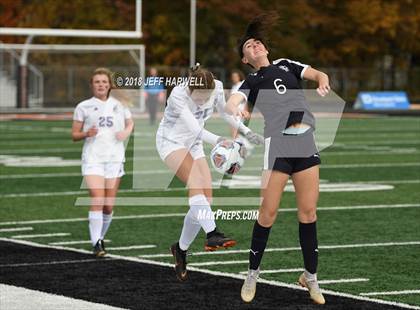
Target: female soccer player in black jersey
{"points": [[290, 151]]}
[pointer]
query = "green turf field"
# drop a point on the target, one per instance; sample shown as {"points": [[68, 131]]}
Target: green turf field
{"points": [[368, 218]]}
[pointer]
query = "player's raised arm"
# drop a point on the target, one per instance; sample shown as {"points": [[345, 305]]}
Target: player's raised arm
{"points": [[232, 106], [236, 122], [320, 77]]}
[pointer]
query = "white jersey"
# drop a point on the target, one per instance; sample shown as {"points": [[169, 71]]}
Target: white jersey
{"points": [[109, 118], [235, 87], [183, 120]]}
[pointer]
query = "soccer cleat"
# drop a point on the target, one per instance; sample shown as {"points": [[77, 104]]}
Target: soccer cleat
{"points": [[218, 240], [180, 262], [313, 287], [250, 285], [99, 249]]}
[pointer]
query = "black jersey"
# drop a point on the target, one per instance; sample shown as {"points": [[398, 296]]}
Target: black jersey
{"points": [[277, 93]]}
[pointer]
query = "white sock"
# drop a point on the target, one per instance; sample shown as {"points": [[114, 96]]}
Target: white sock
{"points": [[95, 226], [189, 231], [107, 219], [310, 276], [201, 210]]}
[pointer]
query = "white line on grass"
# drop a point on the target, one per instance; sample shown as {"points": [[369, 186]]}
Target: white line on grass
{"points": [[368, 165], [74, 242], [220, 274], [85, 192], [44, 194], [324, 247], [62, 150], [132, 247], [269, 271], [163, 215], [343, 281], [246, 168], [84, 219], [40, 236], [77, 261], [16, 229], [406, 292], [40, 175], [216, 263]]}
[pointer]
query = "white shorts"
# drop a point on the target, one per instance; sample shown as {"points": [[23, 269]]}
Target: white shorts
{"points": [[165, 147], [106, 170]]}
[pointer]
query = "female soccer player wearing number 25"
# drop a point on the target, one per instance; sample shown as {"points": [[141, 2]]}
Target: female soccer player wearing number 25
{"points": [[103, 123], [290, 150]]}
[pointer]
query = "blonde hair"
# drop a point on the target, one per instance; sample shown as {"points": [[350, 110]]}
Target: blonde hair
{"points": [[108, 73]]}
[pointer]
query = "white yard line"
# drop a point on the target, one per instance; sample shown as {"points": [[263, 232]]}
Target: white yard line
{"points": [[62, 150], [40, 236], [40, 175], [85, 192], [368, 165], [16, 229], [84, 219], [396, 151], [44, 194], [343, 281], [77, 261], [74, 242], [406, 292], [297, 248], [221, 274], [132, 247], [246, 168], [216, 263], [270, 271], [163, 215]]}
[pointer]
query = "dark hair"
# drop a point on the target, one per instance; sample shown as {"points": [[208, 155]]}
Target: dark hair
{"points": [[256, 29], [205, 79]]}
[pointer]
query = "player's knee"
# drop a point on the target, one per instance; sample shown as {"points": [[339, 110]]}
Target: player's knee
{"points": [[97, 202], [267, 217], [197, 183], [108, 209], [307, 215]]}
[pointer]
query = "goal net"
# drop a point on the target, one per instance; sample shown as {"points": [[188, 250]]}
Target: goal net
{"points": [[58, 75]]}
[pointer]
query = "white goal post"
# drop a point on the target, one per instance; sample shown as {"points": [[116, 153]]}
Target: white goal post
{"points": [[137, 33], [135, 52]]}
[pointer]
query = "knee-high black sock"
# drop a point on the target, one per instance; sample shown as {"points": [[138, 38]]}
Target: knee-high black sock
{"points": [[259, 241], [309, 244]]}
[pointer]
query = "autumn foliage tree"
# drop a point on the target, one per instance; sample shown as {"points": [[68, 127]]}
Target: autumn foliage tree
{"points": [[350, 33]]}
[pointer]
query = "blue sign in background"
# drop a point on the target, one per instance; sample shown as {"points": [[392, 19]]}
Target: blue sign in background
{"points": [[382, 100]]}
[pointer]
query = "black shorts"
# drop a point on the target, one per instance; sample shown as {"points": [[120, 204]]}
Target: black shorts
{"points": [[291, 154], [295, 164]]}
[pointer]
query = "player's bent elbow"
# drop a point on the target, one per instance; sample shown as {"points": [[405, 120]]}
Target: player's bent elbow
{"points": [[76, 136]]}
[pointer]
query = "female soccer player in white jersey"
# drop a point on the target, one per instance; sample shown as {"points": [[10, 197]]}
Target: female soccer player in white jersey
{"points": [[179, 141], [290, 149], [103, 123]]}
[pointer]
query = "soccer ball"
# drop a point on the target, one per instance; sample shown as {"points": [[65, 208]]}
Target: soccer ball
{"points": [[228, 157]]}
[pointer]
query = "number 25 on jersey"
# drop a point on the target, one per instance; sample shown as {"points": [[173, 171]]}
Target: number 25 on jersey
{"points": [[106, 121]]}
